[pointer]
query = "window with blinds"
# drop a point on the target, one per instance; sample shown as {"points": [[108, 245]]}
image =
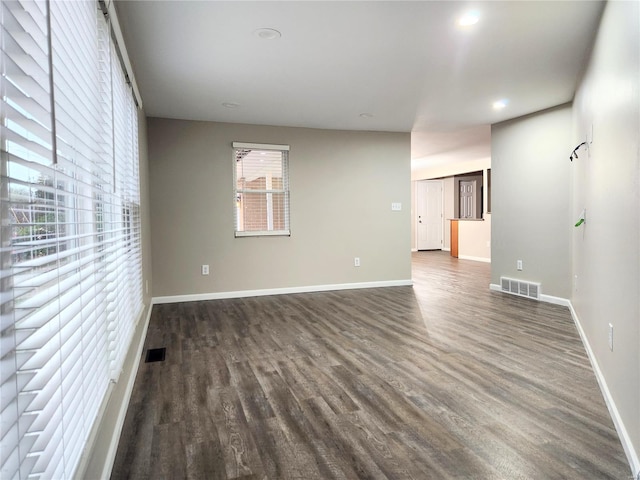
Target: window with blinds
{"points": [[70, 253], [261, 189]]}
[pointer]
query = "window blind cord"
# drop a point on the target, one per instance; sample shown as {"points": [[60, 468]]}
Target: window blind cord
{"points": [[113, 124], [54, 136]]}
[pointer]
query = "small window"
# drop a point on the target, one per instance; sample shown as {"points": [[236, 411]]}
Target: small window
{"points": [[261, 189]]}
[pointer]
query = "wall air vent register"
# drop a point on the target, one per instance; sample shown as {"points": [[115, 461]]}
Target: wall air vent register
{"points": [[521, 288]]}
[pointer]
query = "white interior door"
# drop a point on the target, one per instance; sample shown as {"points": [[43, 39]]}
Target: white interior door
{"points": [[468, 199], [429, 213]]}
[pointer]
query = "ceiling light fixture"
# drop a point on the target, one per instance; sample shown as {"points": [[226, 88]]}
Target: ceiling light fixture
{"points": [[267, 34], [366, 115], [230, 105], [470, 18], [500, 104]]}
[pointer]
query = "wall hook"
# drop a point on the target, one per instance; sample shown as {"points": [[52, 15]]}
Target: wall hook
{"points": [[575, 151]]}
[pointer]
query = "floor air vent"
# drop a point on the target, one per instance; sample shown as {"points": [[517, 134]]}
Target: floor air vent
{"points": [[520, 287], [155, 355]]}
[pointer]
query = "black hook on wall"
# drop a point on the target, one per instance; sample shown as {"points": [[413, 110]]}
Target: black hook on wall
{"points": [[575, 151]]}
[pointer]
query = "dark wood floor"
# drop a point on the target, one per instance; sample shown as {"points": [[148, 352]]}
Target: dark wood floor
{"points": [[445, 380]]}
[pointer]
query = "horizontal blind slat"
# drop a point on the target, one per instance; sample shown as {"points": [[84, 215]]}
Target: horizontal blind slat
{"points": [[74, 264]]}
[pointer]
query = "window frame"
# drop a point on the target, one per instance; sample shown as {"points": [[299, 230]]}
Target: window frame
{"points": [[285, 190], [71, 289]]}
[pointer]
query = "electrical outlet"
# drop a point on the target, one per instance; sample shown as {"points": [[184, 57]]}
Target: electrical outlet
{"points": [[205, 269], [356, 261], [611, 337], [519, 265]]}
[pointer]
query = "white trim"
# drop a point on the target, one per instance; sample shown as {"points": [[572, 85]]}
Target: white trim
{"points": [[260, 146], [263, 233], [445, 249], [278, 291], [625, 439], [414, 250], [623, 435], [555, 300], [475, 259], [83, 463], [543, 298], [110, 457]]}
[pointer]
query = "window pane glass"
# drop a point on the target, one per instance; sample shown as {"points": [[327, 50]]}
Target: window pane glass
{"points": [[262, 191], [260, 170]]}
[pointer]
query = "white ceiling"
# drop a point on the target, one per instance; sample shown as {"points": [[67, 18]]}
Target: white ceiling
{"points": [[408, 64]]}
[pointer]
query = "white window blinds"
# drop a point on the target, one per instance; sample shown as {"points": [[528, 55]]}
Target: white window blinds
{"points": [[261, 189], [70, 285]]}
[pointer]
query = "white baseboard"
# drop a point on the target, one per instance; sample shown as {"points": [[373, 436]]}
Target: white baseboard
{"points": [[133, 373], [414, 250], [475, 259], [623, 434], [555, 300], [446, 249], [543, 298], [103, 446], [625, 439], [278, 291]]}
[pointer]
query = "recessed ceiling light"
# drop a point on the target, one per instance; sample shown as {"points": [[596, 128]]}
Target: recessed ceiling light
{"points": [[366, 115], [230, 105], [267, 33], [469, 18], [500, 104]]}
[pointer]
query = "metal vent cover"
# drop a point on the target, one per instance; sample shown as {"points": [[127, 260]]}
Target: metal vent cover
{"points": [[521, 288]]}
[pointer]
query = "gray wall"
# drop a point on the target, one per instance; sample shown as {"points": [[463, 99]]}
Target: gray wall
{"points": [[606, 181], [538, 194], [531, 197], [342, 187]]}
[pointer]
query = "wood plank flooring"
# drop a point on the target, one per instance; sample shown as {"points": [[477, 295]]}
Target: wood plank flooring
{"points": [[445, 380]]}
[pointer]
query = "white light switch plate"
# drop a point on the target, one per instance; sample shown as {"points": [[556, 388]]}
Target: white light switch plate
{"points": [[396, 206]]}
